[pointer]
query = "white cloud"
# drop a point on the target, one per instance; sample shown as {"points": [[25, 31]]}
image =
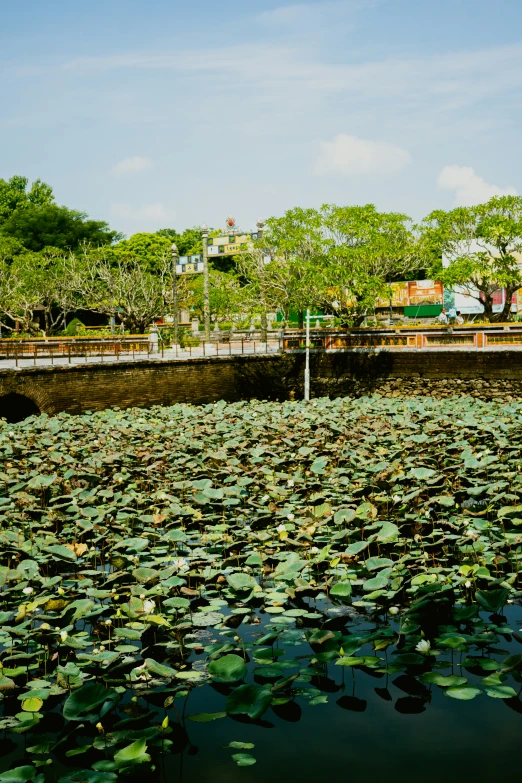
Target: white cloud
{"points": [[131, 165], [147, 212], [351, 155], [468, 187]]}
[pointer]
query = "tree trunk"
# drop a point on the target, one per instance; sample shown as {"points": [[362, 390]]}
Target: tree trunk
{"points": [[264, 326], [488, 307]]}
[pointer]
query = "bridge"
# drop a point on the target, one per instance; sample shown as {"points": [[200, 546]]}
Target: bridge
{"points": [[493, 372]]}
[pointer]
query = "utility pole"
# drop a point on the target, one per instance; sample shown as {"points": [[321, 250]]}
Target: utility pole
{"points": [[307, 360], [261, 261], [206, 282], [175, 311]]}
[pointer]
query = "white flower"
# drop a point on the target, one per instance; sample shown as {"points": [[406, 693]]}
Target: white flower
{"points": [[290, 517], [423, 646], [290, 482], [63, 635], [148, 606], [314, 550], [180, 564], [108, 622], [280, 528], [27, 590], [468, 584], [393, 610]]}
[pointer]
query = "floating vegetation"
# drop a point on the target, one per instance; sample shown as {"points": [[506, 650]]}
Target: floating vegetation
{"points": [[259, 558]]}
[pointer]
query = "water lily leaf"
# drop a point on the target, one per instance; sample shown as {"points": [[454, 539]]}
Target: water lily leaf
{"points": [[32, 704], [135, 753], [492, 600], [423, 473], [240, 745], [60, 551], [344, 515], [349, 661], [206, 717], [251, 700], [243, 759], [18, 774], [228, 668], [145, 575], [449, 681], [444, 500], [501, 692], [239, 581], [378, 582], [88, 702], [357, 547], [462, 692], [319, 465], [341, 590], [203, 619], [388, 533], [374, 563]]}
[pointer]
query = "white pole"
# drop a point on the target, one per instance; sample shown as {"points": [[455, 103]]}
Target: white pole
{"points": [[307, 361]]}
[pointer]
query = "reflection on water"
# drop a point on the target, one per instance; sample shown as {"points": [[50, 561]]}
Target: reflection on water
{"points": [[372, 723]]}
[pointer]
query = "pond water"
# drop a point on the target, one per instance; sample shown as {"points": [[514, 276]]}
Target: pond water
{"points": [[252, 591]]}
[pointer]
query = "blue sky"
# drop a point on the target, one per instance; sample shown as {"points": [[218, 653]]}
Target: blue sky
{"points": [[153, 114]]}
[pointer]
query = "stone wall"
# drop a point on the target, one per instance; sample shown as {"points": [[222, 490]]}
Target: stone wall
{"points": [[484, 374]]}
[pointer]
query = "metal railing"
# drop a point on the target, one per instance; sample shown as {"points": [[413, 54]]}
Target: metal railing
{"points": [[405, 338], [136, 347]]}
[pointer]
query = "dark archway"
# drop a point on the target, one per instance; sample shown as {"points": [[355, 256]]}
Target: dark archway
{"points": [[16, 407]]}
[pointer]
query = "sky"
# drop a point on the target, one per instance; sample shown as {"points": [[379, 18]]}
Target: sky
{"points": [[167, 113]]}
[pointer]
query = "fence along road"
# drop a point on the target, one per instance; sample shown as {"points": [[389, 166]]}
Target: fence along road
{"points": [[21, 353], [58, 351]]}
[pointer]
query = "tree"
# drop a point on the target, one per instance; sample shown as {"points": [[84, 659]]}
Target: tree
{"points": [[259, 293], [224, 294], [153, 251], [15, 194], [296, 244], [340, 259], [478, 249], [18, 298], [188, 242], [123, 289], [365, 250], [48, 225]]}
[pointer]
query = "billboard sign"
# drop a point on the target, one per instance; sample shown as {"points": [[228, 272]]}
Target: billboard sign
{"points": [[189, 265]]}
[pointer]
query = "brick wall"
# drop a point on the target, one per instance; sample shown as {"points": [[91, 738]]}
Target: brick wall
{"points": [[74, 389]]}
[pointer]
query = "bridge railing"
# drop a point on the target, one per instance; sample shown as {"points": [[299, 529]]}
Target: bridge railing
{"points": [[60, 349], [73, 348], [405, 338]]}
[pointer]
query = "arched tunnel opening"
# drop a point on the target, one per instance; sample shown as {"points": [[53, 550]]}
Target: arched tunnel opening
{"points": [[16, 407]]}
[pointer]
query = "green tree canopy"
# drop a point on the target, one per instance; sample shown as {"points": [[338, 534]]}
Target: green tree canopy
{"points": [[16, 194], [48, 225], [337, 258], [151, 250], [478, 249], [188, 242]]}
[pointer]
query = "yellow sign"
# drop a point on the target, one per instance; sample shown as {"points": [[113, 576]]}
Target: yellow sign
{"points": [[229, 244]]}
